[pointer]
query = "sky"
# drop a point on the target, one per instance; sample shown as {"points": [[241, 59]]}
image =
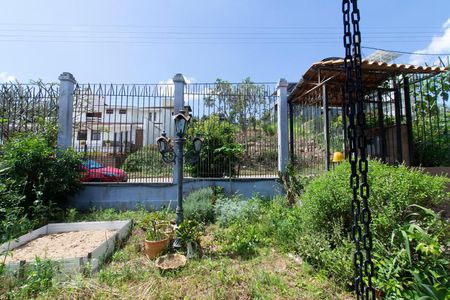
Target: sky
{"points": [[149, 41]]}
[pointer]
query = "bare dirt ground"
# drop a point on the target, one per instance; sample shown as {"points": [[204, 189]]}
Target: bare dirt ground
{"points": [[60, 245]]}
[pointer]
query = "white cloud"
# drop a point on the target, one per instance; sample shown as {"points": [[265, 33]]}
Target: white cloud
{"points": [[5, 77], [170, 80], [438, 44]]}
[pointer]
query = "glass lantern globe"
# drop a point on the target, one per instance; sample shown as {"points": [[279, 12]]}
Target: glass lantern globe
{"points": [[197, 144], [181, 123], [163, 143]]}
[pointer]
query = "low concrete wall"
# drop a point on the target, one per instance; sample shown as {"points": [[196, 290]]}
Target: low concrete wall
{"points": [[154, 195]]}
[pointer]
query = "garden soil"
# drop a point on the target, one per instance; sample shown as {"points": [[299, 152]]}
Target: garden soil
{"points": [[60, 245]]}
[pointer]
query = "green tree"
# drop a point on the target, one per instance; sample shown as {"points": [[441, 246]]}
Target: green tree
{"points": [[220, 153], [239, 103], [431, 124]]}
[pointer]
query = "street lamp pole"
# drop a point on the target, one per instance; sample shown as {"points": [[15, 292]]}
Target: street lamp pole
{"points": [[179, 142], [176, 155]]}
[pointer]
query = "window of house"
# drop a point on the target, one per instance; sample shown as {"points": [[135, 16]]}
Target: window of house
{"points": [[122, 111], [110, 111], [93, 115], [152, 116], [96, 135], [82, 135]]}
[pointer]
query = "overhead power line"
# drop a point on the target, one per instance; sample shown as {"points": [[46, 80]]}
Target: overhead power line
{"points": [[202, 26]]}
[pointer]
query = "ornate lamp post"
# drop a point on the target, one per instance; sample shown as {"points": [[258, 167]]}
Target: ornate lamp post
{"points": [[169, 155]]}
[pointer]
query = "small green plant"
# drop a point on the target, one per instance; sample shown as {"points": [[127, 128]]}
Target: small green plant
{"points": [[39, 278], [240, 239], [269, 128], [228, 209], [293, 184], [148, 219], [72, 215], [189, 231], [199, 205], [153, 233]]}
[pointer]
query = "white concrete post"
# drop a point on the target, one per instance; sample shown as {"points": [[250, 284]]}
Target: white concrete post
{"points": [[178, 95], [65, 110], [282, 117], [178, 104]]}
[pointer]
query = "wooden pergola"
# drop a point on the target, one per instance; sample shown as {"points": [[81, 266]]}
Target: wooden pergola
{"points": [[323, 85], [330, 73]]}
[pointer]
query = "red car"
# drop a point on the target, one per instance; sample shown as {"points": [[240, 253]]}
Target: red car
{"points": [[96, 172]]}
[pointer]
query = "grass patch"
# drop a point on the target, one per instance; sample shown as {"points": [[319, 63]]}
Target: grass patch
{"points": [[268, 274]]}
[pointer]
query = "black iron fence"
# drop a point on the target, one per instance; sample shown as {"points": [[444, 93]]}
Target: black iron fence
{"points": [[430, 118], [27, 107], [116, 126], [309, 141], [408, 120], [239, 129]]}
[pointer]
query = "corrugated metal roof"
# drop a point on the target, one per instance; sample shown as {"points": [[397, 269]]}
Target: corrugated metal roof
{"points": [[332, 70]]}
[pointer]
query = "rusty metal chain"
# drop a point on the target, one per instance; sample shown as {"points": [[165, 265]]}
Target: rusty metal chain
{"points": [[354, 106]]}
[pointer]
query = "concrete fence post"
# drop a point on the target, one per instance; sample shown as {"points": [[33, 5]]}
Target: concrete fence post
{"points": [[282, 117], [178, 104], [65, 110]]}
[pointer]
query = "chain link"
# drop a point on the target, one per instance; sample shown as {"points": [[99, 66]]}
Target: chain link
{"points": [[357, 146]]}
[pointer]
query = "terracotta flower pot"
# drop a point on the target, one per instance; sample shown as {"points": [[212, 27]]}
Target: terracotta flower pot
{"points": [[153, 248]]}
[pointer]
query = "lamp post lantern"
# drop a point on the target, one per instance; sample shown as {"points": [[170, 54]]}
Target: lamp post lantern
{"points": [[169, 155]]}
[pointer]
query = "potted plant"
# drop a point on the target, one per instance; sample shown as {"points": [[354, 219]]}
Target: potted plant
{"points": [[155, 242]]}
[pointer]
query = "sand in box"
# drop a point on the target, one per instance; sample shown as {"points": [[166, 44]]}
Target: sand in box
{"points": [[60, 245]]}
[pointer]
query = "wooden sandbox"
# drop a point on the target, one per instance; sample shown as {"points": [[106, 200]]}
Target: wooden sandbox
{"points": [[86, 244]]}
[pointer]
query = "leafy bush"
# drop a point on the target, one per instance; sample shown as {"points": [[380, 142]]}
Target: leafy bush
{"points": [[266, 157], [249, 225], [279, 224], [239, 238], [220, 152], [326, 201], [410, 252], [198, 205], [41, 176], [269, 129], [230, 209], [146, 160], [415, 261]]}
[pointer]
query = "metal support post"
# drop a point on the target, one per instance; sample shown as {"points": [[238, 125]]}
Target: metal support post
{"points": [[179, 169], [326, 127]]}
